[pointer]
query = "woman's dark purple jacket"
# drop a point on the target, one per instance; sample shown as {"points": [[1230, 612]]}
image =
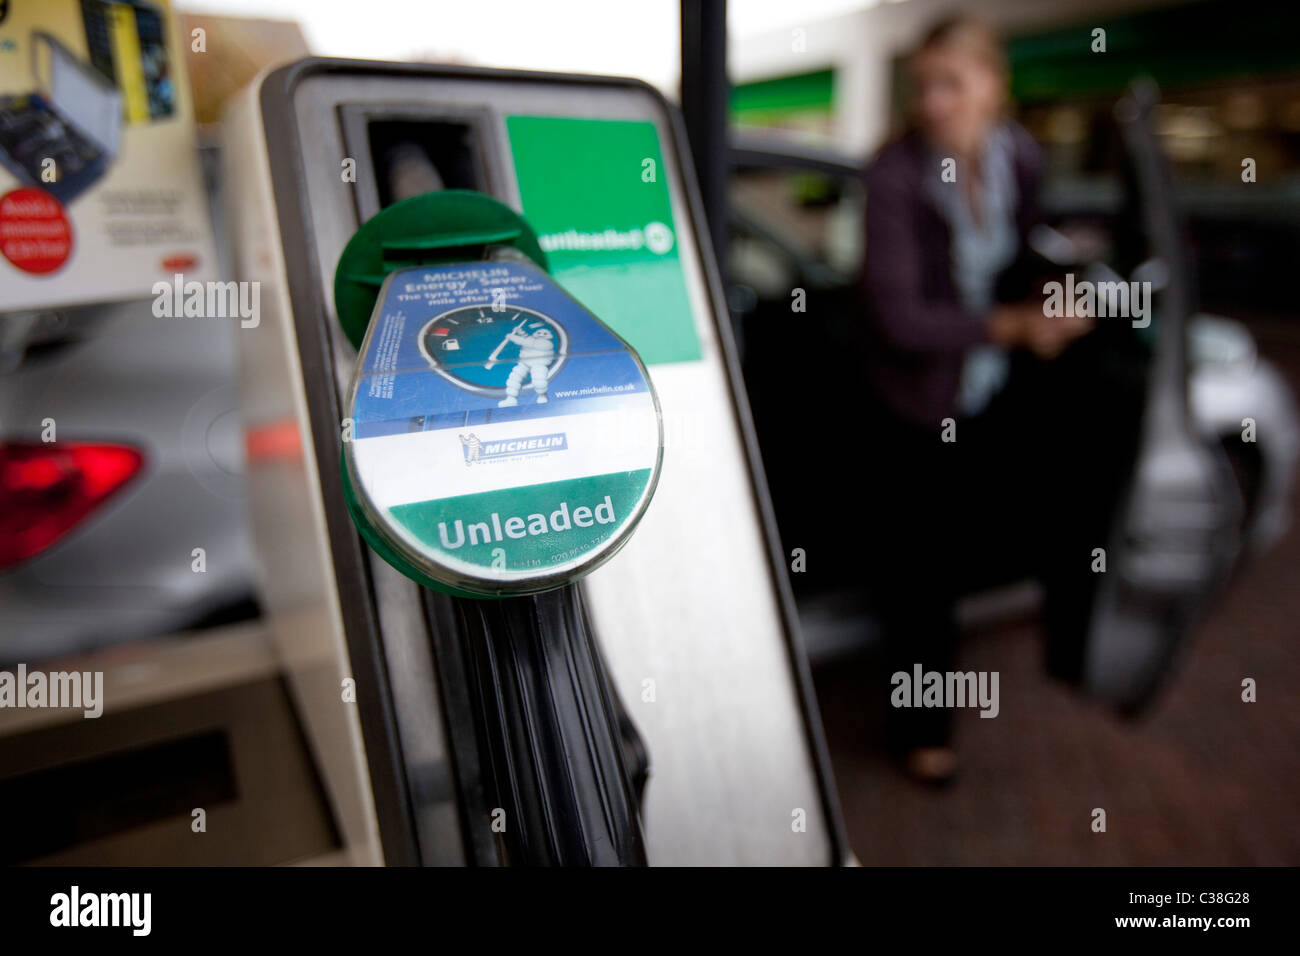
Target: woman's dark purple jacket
{"points": [[920, 330]]}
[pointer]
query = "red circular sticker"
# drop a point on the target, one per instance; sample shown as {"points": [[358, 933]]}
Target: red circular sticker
{"points": [[35, 234]]}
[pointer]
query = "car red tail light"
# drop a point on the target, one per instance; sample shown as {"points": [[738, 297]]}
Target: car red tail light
{"points": [[46, 490]]}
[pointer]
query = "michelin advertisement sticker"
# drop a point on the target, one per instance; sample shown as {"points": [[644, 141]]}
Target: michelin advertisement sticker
{"points": [[501, 435]]}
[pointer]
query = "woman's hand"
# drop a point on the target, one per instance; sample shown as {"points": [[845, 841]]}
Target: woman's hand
{"points": [[1025, 325], [1049, 335], [1009, 324]]}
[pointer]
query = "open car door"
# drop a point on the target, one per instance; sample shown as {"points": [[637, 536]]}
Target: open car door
{"points": [[1176, 534]]}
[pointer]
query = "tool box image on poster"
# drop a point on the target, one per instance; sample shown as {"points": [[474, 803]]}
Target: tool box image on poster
{"points": [[101, 194]]}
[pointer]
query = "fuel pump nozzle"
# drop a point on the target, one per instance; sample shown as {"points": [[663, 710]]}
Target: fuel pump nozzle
{"points": [[505, 443]]}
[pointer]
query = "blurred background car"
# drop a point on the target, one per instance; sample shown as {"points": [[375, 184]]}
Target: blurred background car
{"points": [[102, 528], [796, 215]]}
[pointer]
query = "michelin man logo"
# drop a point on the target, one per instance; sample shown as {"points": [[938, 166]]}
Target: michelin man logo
{"points": [[472, 446], [536, 351]]}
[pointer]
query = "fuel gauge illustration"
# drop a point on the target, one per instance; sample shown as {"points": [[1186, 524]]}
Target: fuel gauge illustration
{"points": [[509, 354]]}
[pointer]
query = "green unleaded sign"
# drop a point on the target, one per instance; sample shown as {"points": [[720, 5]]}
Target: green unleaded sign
{"points": [[595, 191]]}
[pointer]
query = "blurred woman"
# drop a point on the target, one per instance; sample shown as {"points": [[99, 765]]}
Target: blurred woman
{"points": [[950, 205]]}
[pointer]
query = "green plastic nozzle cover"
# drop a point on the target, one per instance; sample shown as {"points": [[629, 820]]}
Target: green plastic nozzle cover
{"points": [[454, 225]]}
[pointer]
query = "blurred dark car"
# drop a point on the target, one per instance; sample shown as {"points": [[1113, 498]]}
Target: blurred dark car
{"points": [[793, 274]]}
